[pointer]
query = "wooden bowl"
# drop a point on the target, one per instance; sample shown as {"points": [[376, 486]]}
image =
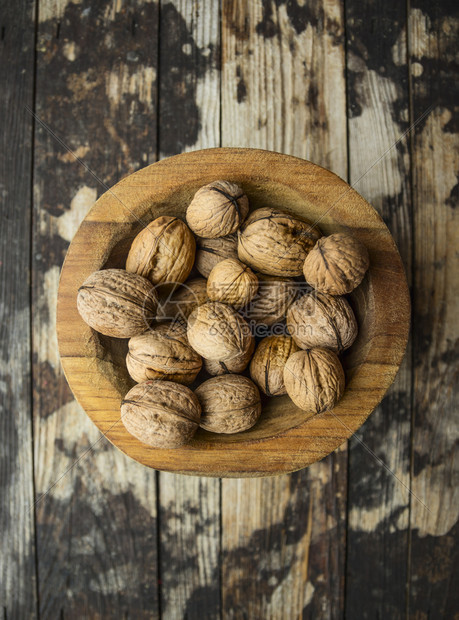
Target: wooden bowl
{"points": [[282, 441]]}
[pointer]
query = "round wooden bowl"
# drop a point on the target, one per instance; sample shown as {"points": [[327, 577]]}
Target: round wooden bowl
{"points": [[283, 440]]}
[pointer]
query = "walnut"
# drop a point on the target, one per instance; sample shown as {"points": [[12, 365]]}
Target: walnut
{"points": [[337, 264], [232, 282], [164, 251], [275, 242], [267, 365], [321, 320], [235, 365], [212, 251], [179, 304], [230, 404], [272, 300], [314, 379], [217, 332], [163, 353], [117, 303], [217, 209], [161, 414]]}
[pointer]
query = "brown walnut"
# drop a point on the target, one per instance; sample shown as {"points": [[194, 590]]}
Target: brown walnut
{"points": [[117, 303], [212, 251], [217, 209], [217, 332], [337, 264], [164, 251], [179, 304], [233, 366], [267, 365], [314, 379], [161, 414], [276, 243], [232, 282], [163, 353], [271, 301], [321, 320], [230, 404]]}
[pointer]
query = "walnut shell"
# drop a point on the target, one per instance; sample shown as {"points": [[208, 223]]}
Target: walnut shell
{"points": [[276, 243], [236, 365], [272, 300], [337, 264], [212, 251], [217, 209], [267, 365], [161, 414], [230, 404], [164, 251], [179, 304], [321, 320], [232, 282], [117, 303], [163, 353], [314, 379], [217, 332]]}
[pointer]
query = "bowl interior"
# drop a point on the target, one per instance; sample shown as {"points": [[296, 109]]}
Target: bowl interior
{"points": [[285, 438]]}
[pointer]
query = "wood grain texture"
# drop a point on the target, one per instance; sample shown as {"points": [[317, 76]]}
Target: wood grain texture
{"points": [[17, 557], [283, 89], [189, 118], [378, 497], [433, 34], [96, 91]]}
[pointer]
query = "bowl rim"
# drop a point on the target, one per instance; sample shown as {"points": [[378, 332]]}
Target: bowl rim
{"points": [[82, 356]]}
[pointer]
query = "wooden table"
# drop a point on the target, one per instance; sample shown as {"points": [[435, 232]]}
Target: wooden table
{"points": [[94, 90]]}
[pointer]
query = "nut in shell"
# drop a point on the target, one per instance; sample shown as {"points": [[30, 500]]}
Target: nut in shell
{"points": [[233, 366], [337, 264], [180, 303], [164, 251], [217, 209], [267, 365], [217, 332], [212, 251], [117, 303], [232, 282], [314, 379], [276, 243], [161, 414], [230, 404], [163, 353], [321, 320], [271, 301]]}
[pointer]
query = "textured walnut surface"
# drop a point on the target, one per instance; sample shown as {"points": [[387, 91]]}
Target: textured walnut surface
{"points": [[276, 243], [161, 414], [337, 264], [321, 320], [211, 251], [163, 251], [230, 404], [180, 303], [267, 365], [163, 352], [217, 332], [314, 379], [235, 365], [217, 209], [117, 303], [232, 282], [273, 297]]}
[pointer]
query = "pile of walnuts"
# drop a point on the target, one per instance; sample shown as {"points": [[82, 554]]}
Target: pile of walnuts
{"points": [[252, 267]]}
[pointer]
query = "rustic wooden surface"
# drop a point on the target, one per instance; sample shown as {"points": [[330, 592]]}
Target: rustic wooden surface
{"points": [[120, 83]]}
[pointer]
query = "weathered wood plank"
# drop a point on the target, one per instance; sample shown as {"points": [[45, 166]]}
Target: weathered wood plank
{"points": [[433, 35], [96, 90], [283, 89], [189, 119], [17, 544], [378, 503]]}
